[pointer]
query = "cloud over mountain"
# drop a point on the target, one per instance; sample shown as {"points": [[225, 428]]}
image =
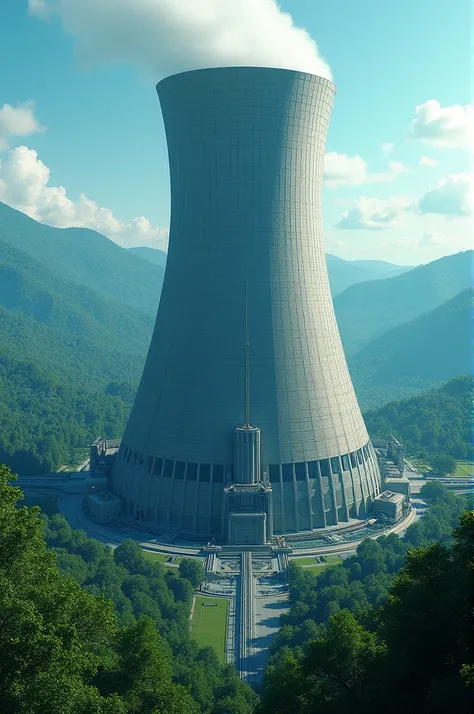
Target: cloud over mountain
{"points": [[168, 36], [24, 184], [373, 214], [451, 196]]}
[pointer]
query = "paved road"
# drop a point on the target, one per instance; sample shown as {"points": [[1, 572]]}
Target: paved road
{"points": [[245, 619], [267, 613]]}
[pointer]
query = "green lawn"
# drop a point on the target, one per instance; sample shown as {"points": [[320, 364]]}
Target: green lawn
{"points": [[209, 623], [419, 464], [464, 469], [318, 569], [310, 560]]}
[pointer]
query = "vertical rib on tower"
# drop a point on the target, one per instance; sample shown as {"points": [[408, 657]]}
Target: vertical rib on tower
{"points": [[246, 151]]}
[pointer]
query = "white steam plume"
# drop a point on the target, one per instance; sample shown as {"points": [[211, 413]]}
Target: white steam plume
{"points": [[168, 36]]}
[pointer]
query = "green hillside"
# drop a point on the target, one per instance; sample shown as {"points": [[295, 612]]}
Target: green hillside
{"points": [[153, 255], [43, 417], [367, 310], [344, 273], [417, 355], [65, 328], [382, 268], [438, 421], [86, 258]]}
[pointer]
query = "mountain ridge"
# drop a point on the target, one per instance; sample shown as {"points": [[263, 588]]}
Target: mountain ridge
{"points": [[367, 310], [85, 257]]}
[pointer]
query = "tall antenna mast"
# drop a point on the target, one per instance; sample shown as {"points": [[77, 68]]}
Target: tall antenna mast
{"points": [[247, 358]]}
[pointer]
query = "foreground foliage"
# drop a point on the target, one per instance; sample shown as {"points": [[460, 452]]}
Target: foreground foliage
{"points": [[362, 639], [84, 630]]}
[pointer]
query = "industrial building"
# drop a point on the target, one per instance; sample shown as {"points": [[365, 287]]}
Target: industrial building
{"points": [[245, 423], [389, 505]]}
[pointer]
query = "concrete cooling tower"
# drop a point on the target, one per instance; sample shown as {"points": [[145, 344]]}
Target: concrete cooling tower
{"points": [[245, 423]]}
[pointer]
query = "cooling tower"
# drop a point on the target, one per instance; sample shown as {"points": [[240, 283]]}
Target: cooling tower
{"points": [[245, 334]]}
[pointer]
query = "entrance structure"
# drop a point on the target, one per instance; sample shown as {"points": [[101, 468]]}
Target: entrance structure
{"points": [[245, 423]]}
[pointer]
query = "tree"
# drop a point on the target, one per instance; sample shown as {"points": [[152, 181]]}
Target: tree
{"points": [[192, 569], [143, 676], [414, 654], [49, 626], [443, 463]]}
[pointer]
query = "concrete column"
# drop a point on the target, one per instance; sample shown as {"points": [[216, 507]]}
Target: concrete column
{"points": [[333, 493], [308, 492], [321, 493]]}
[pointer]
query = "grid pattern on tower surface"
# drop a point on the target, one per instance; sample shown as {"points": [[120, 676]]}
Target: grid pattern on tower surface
{"points": [[246, 151]]}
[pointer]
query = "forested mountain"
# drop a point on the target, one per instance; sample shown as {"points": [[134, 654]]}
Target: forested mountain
{"points": [[153, 255], [69, 318], [367, 310], [438, 421], [344, 273], [86, 258], [88, 630], [44, 417], [417, 355], [67, 329], [381, 268]]}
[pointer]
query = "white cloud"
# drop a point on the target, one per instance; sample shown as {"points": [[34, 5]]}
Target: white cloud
{"points": [[373, 214], [343, 170], [387, 148], [430, 239], [17, 121], [451, 196], [428, 162], [24, 184], [168, 36], [451, 127]]}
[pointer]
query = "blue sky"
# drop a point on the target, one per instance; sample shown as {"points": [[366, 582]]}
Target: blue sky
{"points": [[79, 91]]}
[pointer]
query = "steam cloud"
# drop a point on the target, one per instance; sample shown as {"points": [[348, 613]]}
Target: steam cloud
{"points": [[168, 36]]}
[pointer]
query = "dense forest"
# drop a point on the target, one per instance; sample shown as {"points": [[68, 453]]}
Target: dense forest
{"points": [[85, 629], [42, 419], [88, 630], [366, 637], [437, 422]]}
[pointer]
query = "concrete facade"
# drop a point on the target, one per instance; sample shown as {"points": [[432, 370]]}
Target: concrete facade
{"points": [[390, 504], [246, 262]]}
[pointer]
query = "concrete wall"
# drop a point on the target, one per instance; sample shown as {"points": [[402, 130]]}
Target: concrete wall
{"points": [[246, 150]]}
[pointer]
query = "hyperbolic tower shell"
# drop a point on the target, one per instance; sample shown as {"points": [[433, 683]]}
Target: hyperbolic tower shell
{"points": [[246, 151]]}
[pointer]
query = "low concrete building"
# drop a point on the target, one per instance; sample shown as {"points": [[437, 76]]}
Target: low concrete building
{"points": [[390, 505], [103, 507]]}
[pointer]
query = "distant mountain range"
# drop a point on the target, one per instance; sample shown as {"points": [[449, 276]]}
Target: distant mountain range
{"points": [[367, 310], [86, 258], [65, 328], [416, 355], [344, 273], [153, 255], [80, 309]]}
